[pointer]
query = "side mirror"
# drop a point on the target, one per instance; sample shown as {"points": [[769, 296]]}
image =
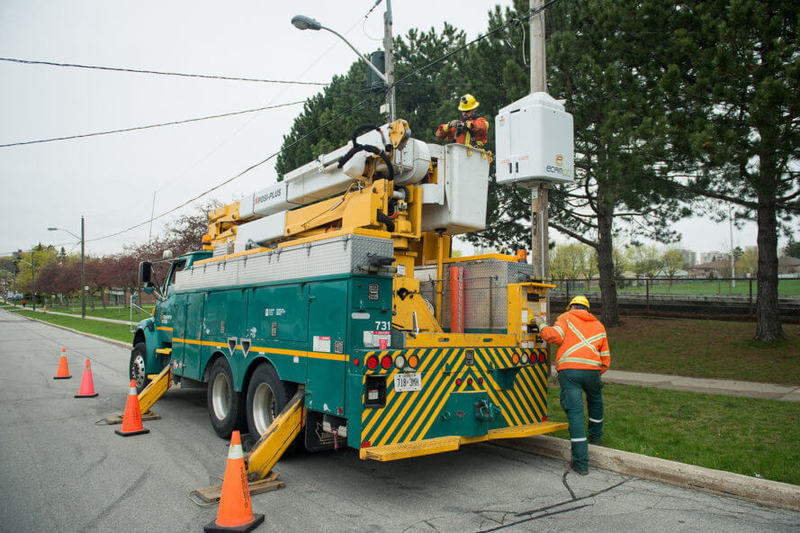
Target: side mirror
{"points": [[167, 254], [146, 276]]}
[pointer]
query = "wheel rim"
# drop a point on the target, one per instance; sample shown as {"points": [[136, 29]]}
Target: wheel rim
{"points": [[221, 396], [137, 371], [263, 408]]}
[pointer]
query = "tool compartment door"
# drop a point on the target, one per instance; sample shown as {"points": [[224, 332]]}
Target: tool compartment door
{"points": [[193, 333], [327, 328]]}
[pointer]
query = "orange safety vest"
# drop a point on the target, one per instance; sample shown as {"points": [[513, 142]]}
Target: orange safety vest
{"points": [[581, 340], [476, 138]]}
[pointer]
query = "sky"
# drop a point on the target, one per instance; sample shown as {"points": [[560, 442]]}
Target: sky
{"points": [[112, 180]]}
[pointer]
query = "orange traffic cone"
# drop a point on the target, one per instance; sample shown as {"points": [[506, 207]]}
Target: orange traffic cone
{"points": [[132, 421], [87, 383], [63, 369], [235, 513]]}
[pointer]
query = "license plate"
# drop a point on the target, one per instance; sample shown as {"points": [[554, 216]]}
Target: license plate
{"points": [[407, 382]]}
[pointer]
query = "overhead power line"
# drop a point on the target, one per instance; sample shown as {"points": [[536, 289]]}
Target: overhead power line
{"points": [[157, 72], [240, 174], [511, 22], [148, 126]]}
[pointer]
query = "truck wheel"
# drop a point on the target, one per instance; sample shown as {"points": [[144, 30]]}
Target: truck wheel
{"points": [[137, 369], [225, 407], [267, 395]]}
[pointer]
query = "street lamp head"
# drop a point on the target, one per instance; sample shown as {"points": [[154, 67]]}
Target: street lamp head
{"points": [[302, 22], [52, 229]]}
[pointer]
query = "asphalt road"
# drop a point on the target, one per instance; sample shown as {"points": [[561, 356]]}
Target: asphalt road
{"points": [[61, 472]]}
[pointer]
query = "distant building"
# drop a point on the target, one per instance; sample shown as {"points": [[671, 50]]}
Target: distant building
{"points": [[713, 256], [711, 269], [788, 265], [688, 257]]}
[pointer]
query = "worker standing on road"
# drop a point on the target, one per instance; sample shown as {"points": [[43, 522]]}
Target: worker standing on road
{"points": [[582, 356], [471, 130]]}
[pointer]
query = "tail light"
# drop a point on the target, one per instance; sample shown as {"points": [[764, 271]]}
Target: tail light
{"points": [[386, 362], [515, 359], [525, 359], [413, 361], [542, 357], [372, 362], [399, 362]]}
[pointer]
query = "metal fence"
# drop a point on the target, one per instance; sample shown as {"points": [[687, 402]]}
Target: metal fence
{"points": [[709, 295]]}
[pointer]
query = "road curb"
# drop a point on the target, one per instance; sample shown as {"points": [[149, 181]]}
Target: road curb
{"points": [[760, 491], [90, 335]]}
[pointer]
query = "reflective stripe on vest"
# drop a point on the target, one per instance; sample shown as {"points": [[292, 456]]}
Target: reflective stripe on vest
{"points": [[584, 342]]}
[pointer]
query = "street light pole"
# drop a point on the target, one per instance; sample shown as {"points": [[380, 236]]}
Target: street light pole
{"points": [[83, 272], [83, 264], [33, 282], [302, 22], [389, 60]]}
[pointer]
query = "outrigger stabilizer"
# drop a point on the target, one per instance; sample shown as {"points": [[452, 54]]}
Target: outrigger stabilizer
{"points": [[159, 384], [265, 453]]}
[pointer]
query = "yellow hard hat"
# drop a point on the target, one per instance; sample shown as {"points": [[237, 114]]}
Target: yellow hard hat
{"points": [[580, 300], [467, 103]]}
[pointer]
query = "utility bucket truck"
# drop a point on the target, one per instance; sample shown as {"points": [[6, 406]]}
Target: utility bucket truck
{"points": [[337, 287]]}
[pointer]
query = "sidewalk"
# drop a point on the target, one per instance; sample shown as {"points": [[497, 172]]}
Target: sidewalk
{"points": [[749, 389], [73, 315]]}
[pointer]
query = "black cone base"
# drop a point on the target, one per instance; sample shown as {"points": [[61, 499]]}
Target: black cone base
{"points": [[131, 433], [212, 527], [87, 395], [62, 377]]}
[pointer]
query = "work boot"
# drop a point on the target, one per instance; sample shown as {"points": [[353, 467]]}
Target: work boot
{"points": [[597, 441], [578, 470]]}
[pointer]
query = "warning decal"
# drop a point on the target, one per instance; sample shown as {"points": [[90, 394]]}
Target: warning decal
{"points": [[232, 342], [245, 346], [322, 344]]}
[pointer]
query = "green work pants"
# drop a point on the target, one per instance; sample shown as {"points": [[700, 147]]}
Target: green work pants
{"points": [[573, 383]]}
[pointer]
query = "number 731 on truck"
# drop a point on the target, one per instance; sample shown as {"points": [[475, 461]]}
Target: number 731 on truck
{"points": [[338, 287]]}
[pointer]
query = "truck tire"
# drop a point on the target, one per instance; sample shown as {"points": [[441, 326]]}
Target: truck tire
{"points": [[137, 368], [267, 395], [225, 405]]}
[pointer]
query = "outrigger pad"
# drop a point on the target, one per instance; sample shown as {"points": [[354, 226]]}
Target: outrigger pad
{"points": [[210, 495], [117, 418], [250, 526]]}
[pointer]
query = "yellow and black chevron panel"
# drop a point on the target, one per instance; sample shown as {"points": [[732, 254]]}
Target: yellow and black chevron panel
{"points": [[465, 392]]}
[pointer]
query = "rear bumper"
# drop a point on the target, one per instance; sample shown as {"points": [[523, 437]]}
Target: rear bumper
{"points": [[404, 450]]}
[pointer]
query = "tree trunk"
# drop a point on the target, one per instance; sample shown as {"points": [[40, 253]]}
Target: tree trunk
{"points": [[605, 263], [768, 326]]}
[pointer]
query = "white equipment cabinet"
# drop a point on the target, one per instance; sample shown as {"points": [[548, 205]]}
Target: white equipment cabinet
{"points": [[535, 142]]}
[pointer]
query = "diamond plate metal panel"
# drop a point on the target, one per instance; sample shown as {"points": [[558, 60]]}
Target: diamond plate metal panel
{"points": [[485, 290], [338, 255]]}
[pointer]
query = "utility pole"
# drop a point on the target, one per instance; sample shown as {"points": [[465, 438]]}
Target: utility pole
{"points": [[33, 282], [539, 218], [83, 273], [389, 60]]}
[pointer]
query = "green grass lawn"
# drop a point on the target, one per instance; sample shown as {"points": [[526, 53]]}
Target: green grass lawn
{"points": [[743, 435], [786, 287], [120, 332], [705, 349]]}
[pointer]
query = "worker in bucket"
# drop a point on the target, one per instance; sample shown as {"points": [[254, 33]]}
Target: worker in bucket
{"points": [[471, 130], [582, 356]]}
